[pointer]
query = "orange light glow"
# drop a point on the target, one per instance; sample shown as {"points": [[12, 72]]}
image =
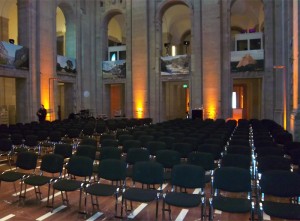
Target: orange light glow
{"points": [[211, 112], [139, 111]]}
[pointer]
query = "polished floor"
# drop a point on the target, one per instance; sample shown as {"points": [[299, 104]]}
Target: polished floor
{"points": [[11, 208]]}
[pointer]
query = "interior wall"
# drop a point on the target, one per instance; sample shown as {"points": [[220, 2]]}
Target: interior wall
{"points": [[8, 98], [117, 100], [254, 95], [176, 100]]}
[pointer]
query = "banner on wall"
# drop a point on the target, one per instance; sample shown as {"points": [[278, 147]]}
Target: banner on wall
{"points": [[247, 61], [114, 69], [174, 65], [14, 56], [66, 64]]}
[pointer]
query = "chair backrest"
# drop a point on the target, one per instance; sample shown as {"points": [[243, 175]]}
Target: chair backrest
{"points": [[110, 153], [295, 156], [81, 166], [236, 160], [188, 176], [168, 140], [154, 146], [17, 138], [124, 137], [137, 154], [52, 163], [107, 136], [239, 149], [273, 163], [270, 150], [65, 150], [73, 132], [145, 139], [280, 183], [239, 141], [168, 158], [42, 135], [148, 172], [5, 145], [192, 140], [232, 179], [109, 143], [205, 160], [214, 149], [183, 148], [55, 136], [112, 169], [88, 141], [128, 144], [26, 160], [86, 150], [31, 140]]}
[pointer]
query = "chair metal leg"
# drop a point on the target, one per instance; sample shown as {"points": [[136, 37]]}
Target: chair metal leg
{"points": [[48, 195], [210, 215], [52, 199], [156, 212], [38, 193], [85, 204], [203, 208], [22, 195]]}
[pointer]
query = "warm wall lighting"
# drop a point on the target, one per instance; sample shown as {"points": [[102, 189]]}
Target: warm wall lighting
{"points": [[283, 68], [51, 92], [211, 112], [139, 111]]}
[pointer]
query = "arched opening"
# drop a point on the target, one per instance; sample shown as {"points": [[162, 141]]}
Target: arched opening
{"points": [[8, 33], [60, 32], [66, 61], [175, 60], [247, 56], [115, 67]]}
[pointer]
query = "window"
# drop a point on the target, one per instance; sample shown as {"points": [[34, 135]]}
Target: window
{"points": [[242, 45]]}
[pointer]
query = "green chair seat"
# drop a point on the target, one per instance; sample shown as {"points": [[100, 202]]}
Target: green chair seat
{"points": [[67, 185], [183, 199], [100, 189], [282, 210], [11, 176], [231, 205], [140, 195], [37, 180]]}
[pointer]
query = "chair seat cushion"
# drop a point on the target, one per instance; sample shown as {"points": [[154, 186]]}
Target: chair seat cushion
{"points": [[11, 176], [182, 199], [140, 195], [232, 205], [282, 210], [37, 180], [99, 189], [67, 185]]}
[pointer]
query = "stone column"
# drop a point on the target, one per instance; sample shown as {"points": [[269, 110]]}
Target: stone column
{"points": [[196, 78], [226, 78], [211, 26], [28, 93], [139, 47], [295, 116], [46, 54]]}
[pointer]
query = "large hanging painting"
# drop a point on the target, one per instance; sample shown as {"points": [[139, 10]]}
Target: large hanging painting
{"points": [[14, 56], [114, 69], [247, 62], [175, 65], [66, 64]]}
